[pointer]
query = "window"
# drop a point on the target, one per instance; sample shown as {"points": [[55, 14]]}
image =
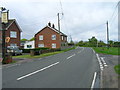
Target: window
{"points": [[13, 44], [13, 34], [53, 45], [41, 37], [53, 37], [40, 45], [29, 46]]}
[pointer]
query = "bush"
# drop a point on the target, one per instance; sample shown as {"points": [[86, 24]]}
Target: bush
{"points": [[117, 69], [35, 49]]}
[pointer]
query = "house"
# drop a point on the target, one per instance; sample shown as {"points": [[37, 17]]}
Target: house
{"points": [[14, 32], [50, 37], [29, 45]]}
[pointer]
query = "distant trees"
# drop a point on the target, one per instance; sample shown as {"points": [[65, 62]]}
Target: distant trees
{"points": [[23, 40], [93, 42]]}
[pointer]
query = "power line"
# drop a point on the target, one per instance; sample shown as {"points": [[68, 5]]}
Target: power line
{"points": [[114, 12], [61, 6]]}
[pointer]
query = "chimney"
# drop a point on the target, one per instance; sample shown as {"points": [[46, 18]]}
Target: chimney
{"points": [[49, 24], [53, 26]]}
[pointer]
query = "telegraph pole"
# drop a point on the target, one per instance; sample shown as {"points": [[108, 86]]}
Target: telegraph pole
{"points": [[107, 35], [58, 21]]}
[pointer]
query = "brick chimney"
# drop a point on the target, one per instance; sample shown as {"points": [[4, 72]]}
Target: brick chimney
{"points": [[53, 26], [49, 24]]}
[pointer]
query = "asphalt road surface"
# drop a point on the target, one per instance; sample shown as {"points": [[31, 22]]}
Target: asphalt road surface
{"points": [[73, 69]]}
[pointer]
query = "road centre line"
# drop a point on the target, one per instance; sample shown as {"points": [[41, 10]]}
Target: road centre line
{"points": [[93, 82], [71, 56], [27, 75], [81, 50]]}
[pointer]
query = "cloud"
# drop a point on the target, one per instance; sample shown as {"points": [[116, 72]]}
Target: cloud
{"points": [[82, 19]]}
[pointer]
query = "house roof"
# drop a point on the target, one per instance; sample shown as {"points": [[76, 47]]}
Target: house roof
{"points": [[10, 21], [54, 29]]}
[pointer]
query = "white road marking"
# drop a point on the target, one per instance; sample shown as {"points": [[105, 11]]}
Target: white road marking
{"points": [[100, 63], [93, 50], [81, 50], [71, 56], [27, 75], [93, 82], [102, 58]]}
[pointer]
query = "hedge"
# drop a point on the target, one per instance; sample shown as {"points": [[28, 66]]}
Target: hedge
{"points": [[36, 49]]}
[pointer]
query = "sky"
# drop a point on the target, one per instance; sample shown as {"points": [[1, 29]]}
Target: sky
{"points": [[81, 19]]}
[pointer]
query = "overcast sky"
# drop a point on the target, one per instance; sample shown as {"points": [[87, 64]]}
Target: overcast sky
{"points": [[82, 18]]}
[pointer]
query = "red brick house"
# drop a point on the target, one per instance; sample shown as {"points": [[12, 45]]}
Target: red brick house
{"points": [[50, 37], [14, 32]]}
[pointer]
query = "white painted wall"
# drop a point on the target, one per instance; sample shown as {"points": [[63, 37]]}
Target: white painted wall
{"points": [[32, 43]]}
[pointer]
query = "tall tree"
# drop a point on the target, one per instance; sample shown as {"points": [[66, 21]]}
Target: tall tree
{"points": [[93, 42]]}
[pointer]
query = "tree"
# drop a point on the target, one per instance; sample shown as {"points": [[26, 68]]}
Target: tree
{"points": [[32, 39], [111, 43], [101, 44], [93, 42], [116, 44], [24, 39]]}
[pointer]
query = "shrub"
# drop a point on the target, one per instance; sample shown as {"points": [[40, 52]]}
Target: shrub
{"points": [[35, 49]]}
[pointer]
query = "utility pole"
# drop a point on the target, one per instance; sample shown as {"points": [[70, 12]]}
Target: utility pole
{"points": [[58, 21], [4, 21], [107, 35]]}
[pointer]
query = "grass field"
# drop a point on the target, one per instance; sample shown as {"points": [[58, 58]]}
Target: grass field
{"points": [[105, 50], [117, 69], [43, 55]]}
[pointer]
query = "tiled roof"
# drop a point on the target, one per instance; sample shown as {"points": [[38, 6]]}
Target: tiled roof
{"points": [[10, 21], [54, 30]]}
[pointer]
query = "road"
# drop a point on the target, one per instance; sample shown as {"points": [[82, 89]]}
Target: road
{"points": [[72, 69]]}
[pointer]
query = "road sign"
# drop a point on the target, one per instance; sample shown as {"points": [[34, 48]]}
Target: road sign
{"points": [[7, 39]]}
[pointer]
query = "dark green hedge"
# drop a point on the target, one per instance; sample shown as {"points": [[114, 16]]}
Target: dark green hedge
{"points": [[36, 49]]}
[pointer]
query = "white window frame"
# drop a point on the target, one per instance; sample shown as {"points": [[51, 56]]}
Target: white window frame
{"points": [[13, 34], [53, 37], [40, 37], [53, 45], [41, 45]]}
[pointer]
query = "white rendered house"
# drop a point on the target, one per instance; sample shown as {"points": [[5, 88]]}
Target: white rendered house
{"points": [[29, 45]]}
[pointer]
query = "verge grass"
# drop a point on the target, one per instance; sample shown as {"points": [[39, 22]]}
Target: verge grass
{"points": [[105, 50]]}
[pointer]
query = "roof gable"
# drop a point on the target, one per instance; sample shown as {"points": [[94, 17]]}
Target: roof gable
{"points": [[53, 30], [10, 22]]}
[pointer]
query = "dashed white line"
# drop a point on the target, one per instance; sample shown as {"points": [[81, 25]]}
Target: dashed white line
{"points": [[100, 63], [102, 58], [93, 82], [27, 75], [93, 50], [81, 50], [71, 56]]}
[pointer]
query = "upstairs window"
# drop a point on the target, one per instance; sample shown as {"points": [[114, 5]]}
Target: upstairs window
{"points": [[41, 37], [13, 34], [53, 37]]}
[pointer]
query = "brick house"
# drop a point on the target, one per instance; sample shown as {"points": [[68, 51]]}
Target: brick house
{"points": [[50, 37], [14, 32]]}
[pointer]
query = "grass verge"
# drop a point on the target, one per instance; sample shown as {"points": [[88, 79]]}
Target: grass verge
{"points": [[105, 50], [43, 55], [117, 69]]}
